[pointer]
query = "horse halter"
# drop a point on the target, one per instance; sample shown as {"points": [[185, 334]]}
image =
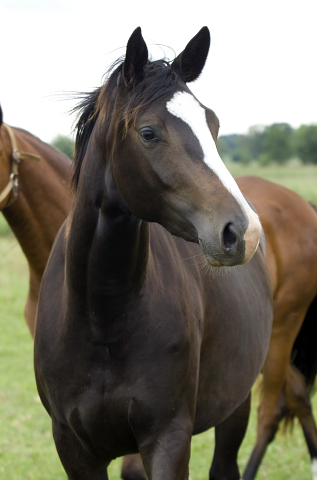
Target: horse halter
{"points": [[17, 156]]}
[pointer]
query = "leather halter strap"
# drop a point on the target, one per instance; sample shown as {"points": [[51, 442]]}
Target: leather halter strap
{"points": [[17, 156]]}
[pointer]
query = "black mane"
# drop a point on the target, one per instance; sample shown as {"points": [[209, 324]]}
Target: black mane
{"points": [[159, 81]]}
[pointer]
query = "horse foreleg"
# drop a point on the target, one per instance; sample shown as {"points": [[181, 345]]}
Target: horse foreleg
{"points": [[78, 463], [228, 438], [166, 455], [299, 404], [132, 468]]}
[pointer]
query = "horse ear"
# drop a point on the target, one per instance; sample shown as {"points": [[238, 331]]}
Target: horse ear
{"points": [[189, 64], [135, 59], [1, 118]]}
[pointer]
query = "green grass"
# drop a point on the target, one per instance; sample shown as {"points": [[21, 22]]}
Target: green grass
{"points": [[298, 177], [27, 451], [4, 227]]}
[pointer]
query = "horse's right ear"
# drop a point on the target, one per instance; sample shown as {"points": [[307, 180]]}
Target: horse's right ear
{"points": [[1, 118], [135, 60]]}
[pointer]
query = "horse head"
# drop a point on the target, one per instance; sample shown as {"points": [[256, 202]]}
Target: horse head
{"points": [[161, 150]]}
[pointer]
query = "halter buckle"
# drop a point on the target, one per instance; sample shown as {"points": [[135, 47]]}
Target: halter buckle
{"points": [[16, 156]]}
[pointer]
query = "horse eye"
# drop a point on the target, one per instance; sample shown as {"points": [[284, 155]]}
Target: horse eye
{"points": [[147, 134]]}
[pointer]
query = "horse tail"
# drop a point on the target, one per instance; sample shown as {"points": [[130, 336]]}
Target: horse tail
{"points": [[304, 358], [304, 353]]}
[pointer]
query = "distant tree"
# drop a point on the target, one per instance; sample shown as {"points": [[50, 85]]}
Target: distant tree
{"points": [[255, 141], [226, 145], [277, 144], [64, 144], [243, 151], [234, 147], [223, 148], [305, 143], [263, 144]]}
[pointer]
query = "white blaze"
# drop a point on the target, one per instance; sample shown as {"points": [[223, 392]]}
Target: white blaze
{"points": [[184, 106]]}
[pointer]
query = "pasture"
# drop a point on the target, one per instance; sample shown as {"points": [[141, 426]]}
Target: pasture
{"points": [[27, 451]]}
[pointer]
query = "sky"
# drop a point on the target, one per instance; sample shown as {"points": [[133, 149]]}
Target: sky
{"points": [[261, 66]]}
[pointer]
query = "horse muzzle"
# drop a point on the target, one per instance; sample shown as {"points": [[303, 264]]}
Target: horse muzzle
{"points": [[232, 244]]}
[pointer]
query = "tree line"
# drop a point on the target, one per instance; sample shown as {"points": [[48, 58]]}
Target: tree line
{"points": [[64, 144], [278, 142]]}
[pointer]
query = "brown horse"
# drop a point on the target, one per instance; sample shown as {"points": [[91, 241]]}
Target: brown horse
{"points": [[34, 198], [138, 346], [290, 226]]}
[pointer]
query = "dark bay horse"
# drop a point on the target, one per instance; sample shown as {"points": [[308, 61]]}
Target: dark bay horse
{"points": [[289, 372], [34, 198], [139, 343]]}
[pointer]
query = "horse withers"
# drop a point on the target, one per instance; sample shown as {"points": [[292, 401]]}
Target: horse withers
{"points": [[139, 342]]}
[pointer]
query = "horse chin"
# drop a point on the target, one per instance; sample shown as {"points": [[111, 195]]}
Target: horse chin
{"points": [[218, 258], [213, 262]]}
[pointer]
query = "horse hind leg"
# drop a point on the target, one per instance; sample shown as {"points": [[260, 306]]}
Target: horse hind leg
{"points": [[270, 410], [229, 436], [299, 404], [286, 325], [265, 435], [301, 379]]}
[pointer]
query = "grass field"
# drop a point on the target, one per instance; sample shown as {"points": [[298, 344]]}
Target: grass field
{"points": [[27, 450]]}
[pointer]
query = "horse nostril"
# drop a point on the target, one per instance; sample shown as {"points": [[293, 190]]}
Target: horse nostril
{"points": [[229, 238]]}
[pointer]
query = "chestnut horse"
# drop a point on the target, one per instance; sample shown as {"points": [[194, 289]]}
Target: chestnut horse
{"points": [[289, 372], [34, 198], [138, 346]]}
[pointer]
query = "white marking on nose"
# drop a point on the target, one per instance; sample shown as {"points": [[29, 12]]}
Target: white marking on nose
{"points": [[184, 106]]}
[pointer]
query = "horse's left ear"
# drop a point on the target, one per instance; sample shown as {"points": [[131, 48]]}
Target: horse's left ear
{"points": [[135, 60], [189, 64]]}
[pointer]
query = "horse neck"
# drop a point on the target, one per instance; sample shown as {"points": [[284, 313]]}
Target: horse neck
{"points": [[43, 201], [107, 246]]}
